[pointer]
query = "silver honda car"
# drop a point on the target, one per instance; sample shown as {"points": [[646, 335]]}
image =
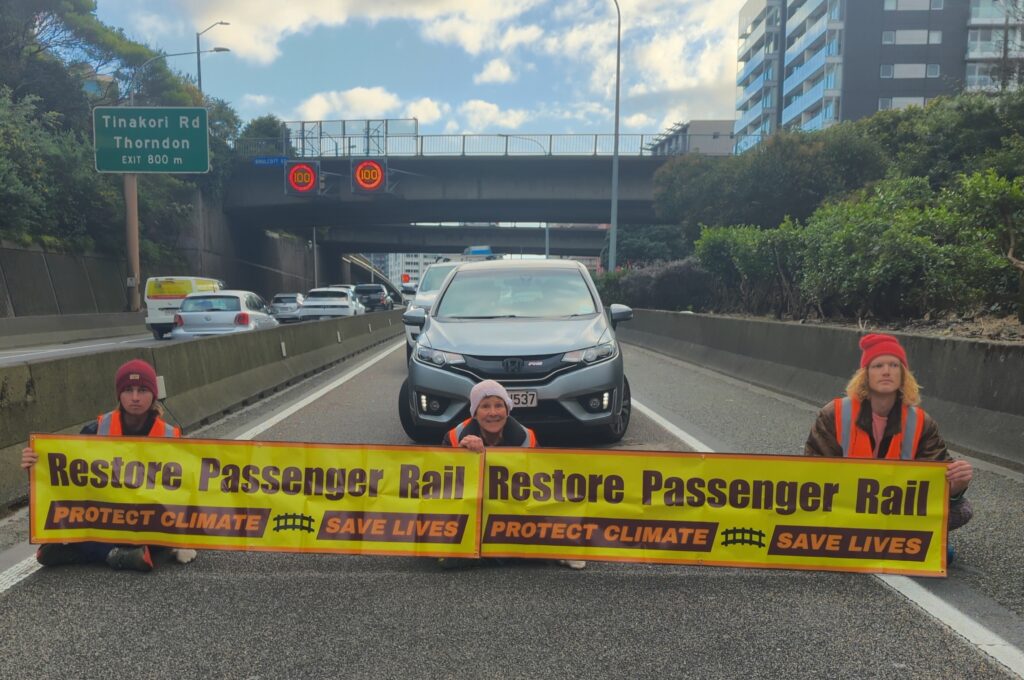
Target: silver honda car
{"points": [[536, 326]]}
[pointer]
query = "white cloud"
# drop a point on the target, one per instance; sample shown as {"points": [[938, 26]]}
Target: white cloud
{"points": [[359, 102], [481, 115], [638, 120], [426, 110], [520, 35], [256, 101], [258, 26], [153, 29], [496, 71], [451, 127]]}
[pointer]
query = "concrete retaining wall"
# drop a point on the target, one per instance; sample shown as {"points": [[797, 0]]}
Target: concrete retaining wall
{"points": [[975, 390], [28, 331], [34, 282], [203, 379]]}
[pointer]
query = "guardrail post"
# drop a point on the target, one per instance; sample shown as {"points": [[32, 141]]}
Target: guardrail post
{"points": [[550, 144], [463, 145], [595, 144], [506, 144]]}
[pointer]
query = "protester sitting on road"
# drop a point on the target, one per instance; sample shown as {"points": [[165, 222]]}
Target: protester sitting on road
{"points": [[880, 418], [490, 424], [138, 415]]}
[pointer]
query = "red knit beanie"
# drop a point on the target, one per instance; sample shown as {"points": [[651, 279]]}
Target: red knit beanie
{"points": [[876, 344], [135, 372]]}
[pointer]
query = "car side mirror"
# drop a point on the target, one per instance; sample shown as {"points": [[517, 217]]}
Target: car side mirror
{"points": [[415, 317], [620, 313]]}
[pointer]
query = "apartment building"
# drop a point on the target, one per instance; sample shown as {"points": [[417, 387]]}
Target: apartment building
{"points": [[846, 59], [759, 74]]}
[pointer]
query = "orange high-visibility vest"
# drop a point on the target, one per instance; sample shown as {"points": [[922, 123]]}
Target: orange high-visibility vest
{"points": [[455, 435], [857, 444], [110, 426]]}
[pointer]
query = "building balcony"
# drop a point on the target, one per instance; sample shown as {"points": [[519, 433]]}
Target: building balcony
{"points": [[751, 41], [747, 142], [805, 72], [807, 39], [756, 61], [801, 15], [803, 102], [748, 117], [821, 121], [757, 86]]}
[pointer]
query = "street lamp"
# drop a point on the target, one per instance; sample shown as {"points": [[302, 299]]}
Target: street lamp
{"points": [[199, 51], [615, 145], [131, 196]]}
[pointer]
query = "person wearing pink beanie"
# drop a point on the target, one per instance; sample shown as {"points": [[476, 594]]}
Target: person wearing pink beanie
{"points": [[881, 417], [490, 424]]}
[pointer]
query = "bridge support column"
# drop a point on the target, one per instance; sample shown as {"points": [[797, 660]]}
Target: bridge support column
{"points": [[346, 271]]}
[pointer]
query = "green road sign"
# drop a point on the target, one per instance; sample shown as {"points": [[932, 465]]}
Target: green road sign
{"points": [[151, 139]]}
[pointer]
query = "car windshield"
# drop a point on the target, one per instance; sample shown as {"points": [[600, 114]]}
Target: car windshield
{"points": [[521, 293], [218, 303], [327, 294], [434, 277], [369, 288], [284, 298]]}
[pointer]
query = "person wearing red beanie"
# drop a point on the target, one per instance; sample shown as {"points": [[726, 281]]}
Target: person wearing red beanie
{"points": [[884, 420], [138, 414]]}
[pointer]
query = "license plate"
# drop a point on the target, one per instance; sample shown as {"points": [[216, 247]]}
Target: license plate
{"points": [[523, 398]]}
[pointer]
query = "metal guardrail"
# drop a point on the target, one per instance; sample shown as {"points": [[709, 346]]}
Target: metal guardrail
{"points": [[318, 142]]}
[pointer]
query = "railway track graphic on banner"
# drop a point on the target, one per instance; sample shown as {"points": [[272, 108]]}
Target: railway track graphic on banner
{"points": [[631, 506]]}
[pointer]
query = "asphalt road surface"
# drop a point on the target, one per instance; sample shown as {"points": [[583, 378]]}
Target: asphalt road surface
{"points": [[257, 615]]}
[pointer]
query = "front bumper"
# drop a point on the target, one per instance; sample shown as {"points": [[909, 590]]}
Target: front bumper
{"points": [[558, 397]]}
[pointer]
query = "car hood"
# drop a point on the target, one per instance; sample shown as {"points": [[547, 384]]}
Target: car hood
{"points": [[524, 337]]}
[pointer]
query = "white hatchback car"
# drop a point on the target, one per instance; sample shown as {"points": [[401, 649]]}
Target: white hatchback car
{"points": [[328, 303], [221, 312]]}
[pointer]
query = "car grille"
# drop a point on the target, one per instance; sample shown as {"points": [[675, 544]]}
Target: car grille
{"points": [[514, 370]]}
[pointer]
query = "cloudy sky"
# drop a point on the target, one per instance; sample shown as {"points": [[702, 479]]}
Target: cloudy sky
{"points": [[458, 66]]}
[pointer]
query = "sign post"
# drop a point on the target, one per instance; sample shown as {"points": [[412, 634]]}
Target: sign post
{"points": [[133, 139]]}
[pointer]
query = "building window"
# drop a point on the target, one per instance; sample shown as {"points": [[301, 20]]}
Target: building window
{"points": [[912, 5], [888, 37], [909, 71], [933, 71], [934, 37], [886, 71], [884, 103]]}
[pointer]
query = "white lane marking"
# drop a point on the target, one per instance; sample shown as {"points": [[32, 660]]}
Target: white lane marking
{"points": [[974, 632], [18, 572], [983, 638], [69, 348], [691, 442], [291, 410]]}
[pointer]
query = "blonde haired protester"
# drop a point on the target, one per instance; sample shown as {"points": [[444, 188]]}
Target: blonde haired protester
{"points": [[881, 418], [490, 424], [138, 414]]}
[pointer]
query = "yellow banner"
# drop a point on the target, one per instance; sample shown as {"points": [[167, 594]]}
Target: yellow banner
{"points": [[631, 506], [717, 509], [256, 496]]}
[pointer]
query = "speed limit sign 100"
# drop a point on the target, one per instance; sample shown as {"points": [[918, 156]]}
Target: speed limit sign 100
{"points": [[369, 175]]}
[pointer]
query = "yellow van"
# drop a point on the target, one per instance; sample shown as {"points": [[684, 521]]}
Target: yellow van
{"points": [[164, 295]]}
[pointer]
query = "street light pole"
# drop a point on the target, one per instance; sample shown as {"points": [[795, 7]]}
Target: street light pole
{"points": [[615, 145], [199, 52], [131, 198]]}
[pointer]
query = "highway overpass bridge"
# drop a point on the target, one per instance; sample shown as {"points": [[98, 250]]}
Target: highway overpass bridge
{"points": [[446, 178]]}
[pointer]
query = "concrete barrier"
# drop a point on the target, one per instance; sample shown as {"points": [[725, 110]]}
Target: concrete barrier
{"points": [[203, 378], [28, 331], [975, 390]]}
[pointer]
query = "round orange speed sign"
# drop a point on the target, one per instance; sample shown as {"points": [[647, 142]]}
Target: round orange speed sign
{"points": [[369, 175], [302, 177]]}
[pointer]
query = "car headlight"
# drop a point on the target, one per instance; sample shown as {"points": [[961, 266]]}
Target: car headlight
{"points": [[591, 355], [437, 357]]}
